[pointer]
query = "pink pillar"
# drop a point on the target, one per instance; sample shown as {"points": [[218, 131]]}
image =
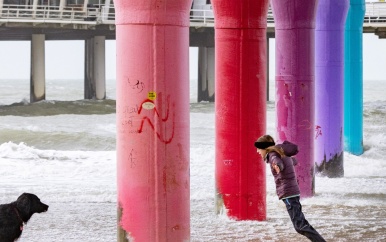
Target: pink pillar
{"points": [[153, 120], [295, 82], [240, 87]]}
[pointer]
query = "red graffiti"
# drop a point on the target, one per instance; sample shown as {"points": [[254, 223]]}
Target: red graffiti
{"points": [[161, 137], [155, 109], [305, 124], [318, 131]]}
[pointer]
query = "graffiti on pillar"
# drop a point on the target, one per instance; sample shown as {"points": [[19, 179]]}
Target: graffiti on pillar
{"points": [[127, 110], [318, 131], [228, 162], [128, 121], [150, 105], [132, 159], [305, 124], [150, 112], [136, 85]]}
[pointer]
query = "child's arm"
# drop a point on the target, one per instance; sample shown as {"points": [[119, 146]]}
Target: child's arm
{"points": [[277, 164]]}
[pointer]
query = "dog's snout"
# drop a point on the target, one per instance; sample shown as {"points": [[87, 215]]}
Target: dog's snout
{"points": [[45, 207]]}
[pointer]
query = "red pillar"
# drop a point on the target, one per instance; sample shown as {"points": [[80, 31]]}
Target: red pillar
{"points": [[240, 72], [295, 82], [153, 120]]}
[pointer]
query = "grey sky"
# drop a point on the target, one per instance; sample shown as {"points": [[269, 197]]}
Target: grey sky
{"points": [[64, 59]]}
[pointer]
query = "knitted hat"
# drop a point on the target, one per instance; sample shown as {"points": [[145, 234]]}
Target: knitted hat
{"points": [[263, 145]]}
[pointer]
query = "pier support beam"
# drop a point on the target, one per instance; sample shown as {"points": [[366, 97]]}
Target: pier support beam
{"points": [[329, 78], [1, 7], [240, 107], [106, 10], [152, 39], [95, 68], [295, 82], [205, 74], [353, 78], [267, 67], [38, 75]]}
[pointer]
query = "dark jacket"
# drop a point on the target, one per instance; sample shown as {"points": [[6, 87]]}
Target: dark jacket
{"points": [[289, 148], [285, 180]]}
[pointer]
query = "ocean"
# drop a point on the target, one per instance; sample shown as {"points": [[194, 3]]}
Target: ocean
{"points": [[63, 150]]}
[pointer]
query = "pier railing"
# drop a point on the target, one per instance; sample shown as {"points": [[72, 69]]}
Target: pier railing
{"points": [[200, 17], [71, 13], [100, 14], [375, 12]]}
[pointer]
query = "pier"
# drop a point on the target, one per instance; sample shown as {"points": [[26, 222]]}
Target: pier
{"points": [[94, 22], [152, 109]]}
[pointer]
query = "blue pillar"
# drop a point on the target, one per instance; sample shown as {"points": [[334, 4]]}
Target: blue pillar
{"points": [[353, 79]]}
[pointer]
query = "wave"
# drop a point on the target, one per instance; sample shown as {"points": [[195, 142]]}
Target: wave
{"points": [[47, 108], [60, 140], [66, 176], [78, 107]]}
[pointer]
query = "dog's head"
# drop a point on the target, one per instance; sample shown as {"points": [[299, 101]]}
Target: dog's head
{"points": [[28, 204]]}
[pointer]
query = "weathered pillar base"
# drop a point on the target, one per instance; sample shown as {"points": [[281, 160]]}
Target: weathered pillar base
{"points": [[331, 168]]}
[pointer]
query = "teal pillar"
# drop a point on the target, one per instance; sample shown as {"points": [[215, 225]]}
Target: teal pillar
{"points": [[353, 78]]}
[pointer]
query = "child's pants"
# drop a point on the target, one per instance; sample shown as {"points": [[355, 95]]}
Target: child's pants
{"points": [[300, 223]]}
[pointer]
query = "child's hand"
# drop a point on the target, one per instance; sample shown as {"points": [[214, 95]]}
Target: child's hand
{"points": [[276, 168]]}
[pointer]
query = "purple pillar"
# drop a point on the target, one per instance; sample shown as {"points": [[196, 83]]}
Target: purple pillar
{"points": [[329, 79], [295, 42]]}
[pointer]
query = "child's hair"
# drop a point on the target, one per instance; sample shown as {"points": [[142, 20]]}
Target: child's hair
{"points": [[268, 138]]}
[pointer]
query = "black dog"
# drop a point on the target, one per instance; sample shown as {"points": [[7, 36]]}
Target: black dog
{"points": [[14, 215]]}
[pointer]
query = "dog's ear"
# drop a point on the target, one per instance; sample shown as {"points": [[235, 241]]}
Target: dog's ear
{"points": [[23, 203]]}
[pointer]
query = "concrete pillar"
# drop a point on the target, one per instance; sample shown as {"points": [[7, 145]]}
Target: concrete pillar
{"points": [[267, 67], [205, 74], [152, 39], [240, 107], [38, 75], [85, 3], [329, 78], [89, 85], [62, 4], [1, 6], [95, 68], [106, 9], [353, 78], [295, 82], [34, 7]]}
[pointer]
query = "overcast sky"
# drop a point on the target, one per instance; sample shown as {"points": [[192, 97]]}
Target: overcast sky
{"points": [[64, 59]]}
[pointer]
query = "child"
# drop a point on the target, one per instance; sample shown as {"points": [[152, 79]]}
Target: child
{"points": [[287, 189]]}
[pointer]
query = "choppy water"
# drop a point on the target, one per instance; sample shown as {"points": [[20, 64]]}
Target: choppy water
{"points": [[63, 149]]}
